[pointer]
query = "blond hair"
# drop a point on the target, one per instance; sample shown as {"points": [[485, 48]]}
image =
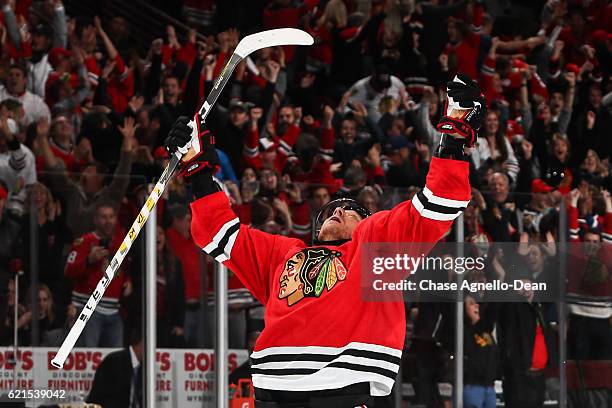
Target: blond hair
{"points": [[335, 14], [38, 186]]}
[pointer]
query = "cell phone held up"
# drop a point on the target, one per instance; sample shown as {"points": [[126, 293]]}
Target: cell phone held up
{"points": [[105, 243]]}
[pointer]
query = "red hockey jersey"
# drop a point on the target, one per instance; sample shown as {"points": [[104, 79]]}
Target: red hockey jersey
{"points": [[322, 335], [85, 276]]}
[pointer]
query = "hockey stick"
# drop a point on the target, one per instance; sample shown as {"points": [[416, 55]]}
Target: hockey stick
{"points": [[248, 45]]}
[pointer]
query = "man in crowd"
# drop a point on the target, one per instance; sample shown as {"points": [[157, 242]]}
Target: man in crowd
{"points": [[15, 88], [118, 380], [87, 261]]}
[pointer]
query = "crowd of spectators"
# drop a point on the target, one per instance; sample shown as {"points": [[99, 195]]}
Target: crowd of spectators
{"points": [[83, 117]]}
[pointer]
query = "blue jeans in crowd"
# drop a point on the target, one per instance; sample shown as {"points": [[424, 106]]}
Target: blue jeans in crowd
{"points": [[194, 329], [478, 396], [103, 331]]}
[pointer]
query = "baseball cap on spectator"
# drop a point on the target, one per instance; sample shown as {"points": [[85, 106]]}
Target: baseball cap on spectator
{"points": [[514, 131], [43, 30], [57, 55], [572, 68], [160, 153], [237, 104], [356, 19], [381, 78], [396, 143], [552, 181]]}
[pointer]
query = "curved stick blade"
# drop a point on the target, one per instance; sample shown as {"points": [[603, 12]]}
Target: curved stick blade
{"points": [[272, 38]]}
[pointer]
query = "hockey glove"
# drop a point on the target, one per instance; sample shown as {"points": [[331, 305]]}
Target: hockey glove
{"points": [[464, 111], [196, 143]]}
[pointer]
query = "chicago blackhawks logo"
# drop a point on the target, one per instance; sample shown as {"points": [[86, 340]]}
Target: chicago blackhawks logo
{"points": [[309, 272]]}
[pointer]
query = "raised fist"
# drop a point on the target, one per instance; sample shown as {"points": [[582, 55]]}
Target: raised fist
{"points": [[196, 145], [465, 109]]}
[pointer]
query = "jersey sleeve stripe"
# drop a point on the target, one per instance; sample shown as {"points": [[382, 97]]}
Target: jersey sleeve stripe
{"points": [[223, 252], [432, 198], [221, 246], [434, 211]]}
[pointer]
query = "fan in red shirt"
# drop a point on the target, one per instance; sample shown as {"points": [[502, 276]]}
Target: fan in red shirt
{"points": [[85, 266], [182, 245], [463, 47]]}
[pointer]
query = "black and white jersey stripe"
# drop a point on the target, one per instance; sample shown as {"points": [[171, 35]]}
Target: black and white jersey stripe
{"points": [[240, 296], [222, 243], [106, 305], [317, 367], [437, 208]]}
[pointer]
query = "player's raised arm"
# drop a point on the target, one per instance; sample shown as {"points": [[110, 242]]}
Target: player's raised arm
{"points": [[447, 191], [247, 252]]}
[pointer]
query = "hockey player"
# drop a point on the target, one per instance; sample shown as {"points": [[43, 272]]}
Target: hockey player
{"points": [[323, 346]]}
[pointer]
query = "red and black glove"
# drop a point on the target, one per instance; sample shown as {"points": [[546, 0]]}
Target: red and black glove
{"points": [[187, 134], [464, 111]]}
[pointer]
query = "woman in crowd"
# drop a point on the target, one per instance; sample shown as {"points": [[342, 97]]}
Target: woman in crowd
{"points": [[53, 235], [494, 150]]}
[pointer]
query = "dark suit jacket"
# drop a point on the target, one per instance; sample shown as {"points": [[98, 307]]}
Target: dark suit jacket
{"points": [[112, 381]]}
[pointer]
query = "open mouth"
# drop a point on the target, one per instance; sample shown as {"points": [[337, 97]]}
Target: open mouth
{"points": [[335, 219]]}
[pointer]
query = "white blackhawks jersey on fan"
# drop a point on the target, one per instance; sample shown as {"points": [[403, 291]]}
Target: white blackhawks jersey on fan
{"points": [[319, 333]]}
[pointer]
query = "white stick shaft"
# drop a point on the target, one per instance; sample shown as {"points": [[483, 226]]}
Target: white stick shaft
{"points": [[249, 44], [109, 273]]}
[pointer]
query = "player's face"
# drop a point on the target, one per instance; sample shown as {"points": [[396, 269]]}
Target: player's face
{"points": [[290, 280], [340, 225]]}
